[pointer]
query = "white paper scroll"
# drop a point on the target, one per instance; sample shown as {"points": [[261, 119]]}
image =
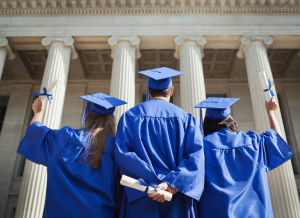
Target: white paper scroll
{"points": [[265, 85], [135, 184], [50, 88]]}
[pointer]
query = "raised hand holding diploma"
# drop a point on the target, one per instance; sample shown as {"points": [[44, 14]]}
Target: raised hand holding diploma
{"points": [[161, 194], [39, 103], [266, 84], [48, 90]]}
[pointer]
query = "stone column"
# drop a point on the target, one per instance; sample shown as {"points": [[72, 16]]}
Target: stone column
{"points": [[125, 49], [73, 106], [32, 192], [5, 51], [189, 50], [10, 137], [283, 190]]}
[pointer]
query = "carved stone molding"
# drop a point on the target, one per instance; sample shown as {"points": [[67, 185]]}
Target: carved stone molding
{"points": [[247, 40], [4, 44], [180, 40], [68, 42], [81, 9], [133, 40]]}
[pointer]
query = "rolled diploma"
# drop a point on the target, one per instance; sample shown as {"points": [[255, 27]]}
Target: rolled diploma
{"points": [[265, 85], [135, 184], [50, 88]]}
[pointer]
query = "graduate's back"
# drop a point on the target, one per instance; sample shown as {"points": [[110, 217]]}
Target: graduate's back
{"points": [[160, 128], [236, 166], [82, 176], [154, 142], [73, 189]]}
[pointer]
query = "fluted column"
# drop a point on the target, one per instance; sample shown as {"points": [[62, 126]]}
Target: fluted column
{"points": [[32, 193], [125, 49], [283, 190], [5, 51], [189, 50]]}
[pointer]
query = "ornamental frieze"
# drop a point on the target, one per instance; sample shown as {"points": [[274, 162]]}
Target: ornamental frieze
{"points": [[86, 7]]}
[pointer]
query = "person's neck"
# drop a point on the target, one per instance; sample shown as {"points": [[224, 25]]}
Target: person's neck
{"points": [[161, 97]]}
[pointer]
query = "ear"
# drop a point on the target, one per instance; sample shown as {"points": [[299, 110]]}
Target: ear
{"points": [[171, 93]]}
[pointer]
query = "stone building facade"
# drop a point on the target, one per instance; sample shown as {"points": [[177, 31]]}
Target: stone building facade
{"points": [[100, 45]]}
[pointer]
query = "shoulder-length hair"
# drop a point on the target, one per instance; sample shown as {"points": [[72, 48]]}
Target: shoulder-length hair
{"points": [[214, 125]]}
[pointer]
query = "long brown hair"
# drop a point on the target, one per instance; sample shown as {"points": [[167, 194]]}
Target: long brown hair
{"points": [[97, 127], [214, 125]]}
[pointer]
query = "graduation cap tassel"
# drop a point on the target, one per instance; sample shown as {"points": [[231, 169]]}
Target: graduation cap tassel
{"points": [[147, 94], [84, 113], [201, 122]]}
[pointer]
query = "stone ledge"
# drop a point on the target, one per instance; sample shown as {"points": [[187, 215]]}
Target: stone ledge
{"points": [[119, 11]]}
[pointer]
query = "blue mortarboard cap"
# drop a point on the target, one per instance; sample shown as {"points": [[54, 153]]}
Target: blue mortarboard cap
{"points": [[160, 78], [101, 104], [217, 108]]}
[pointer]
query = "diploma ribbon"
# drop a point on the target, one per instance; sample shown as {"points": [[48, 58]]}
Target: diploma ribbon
{"points": [[269, 89], [153, 185], [49, 96]]}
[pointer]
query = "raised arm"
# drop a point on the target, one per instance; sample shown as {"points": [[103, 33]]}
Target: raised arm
{"points": [[38, 107], [271, 106]]}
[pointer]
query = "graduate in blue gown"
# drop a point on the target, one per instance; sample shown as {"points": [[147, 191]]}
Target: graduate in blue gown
{"points": [[82, 176], [161, 144], [236, 164]]}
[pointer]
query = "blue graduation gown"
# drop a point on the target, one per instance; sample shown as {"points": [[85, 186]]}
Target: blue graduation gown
{"points": [[73, 189], [236, 166], [159, 142]]}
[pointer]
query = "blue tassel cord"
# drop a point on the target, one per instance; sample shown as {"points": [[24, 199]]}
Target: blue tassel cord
{"points": [[201, 123], [147, 94], [85, 113]]}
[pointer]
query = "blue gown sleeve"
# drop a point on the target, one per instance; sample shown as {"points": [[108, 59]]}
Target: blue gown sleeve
{"points": [[128, 162], [188, 177], [274, 149], [41, 144]]}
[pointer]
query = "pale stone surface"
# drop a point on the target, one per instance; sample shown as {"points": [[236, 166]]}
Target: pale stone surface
{"points": [[284, 196], [10, 137], [242, 110], [5, 50], [3, 54], [124, 52], [73, 106], [32, 193], [159, 24], [189, 50]]}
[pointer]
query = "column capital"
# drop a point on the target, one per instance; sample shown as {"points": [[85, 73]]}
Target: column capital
{"points": [[180, 40], [67, 41], [133, 40], [247, 40], [4, 44]]}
